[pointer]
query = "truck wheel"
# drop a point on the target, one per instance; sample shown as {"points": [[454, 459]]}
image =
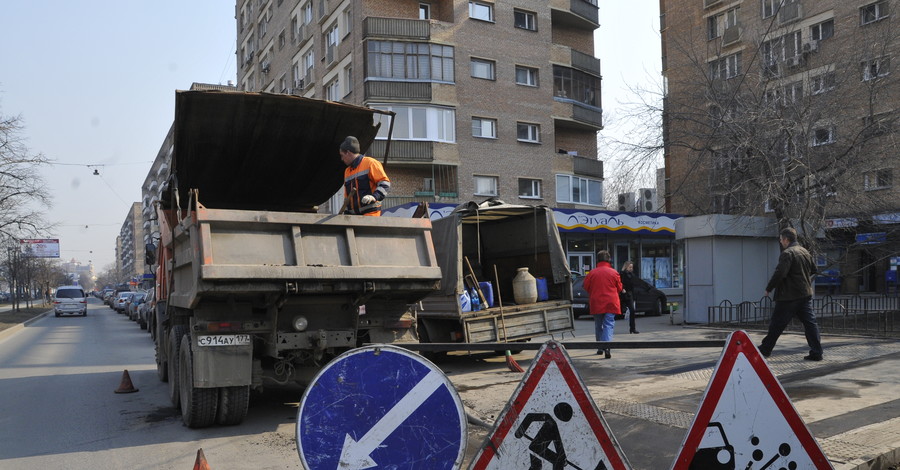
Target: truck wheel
{"points": [[233, 403], [178, 332], [198, 405]]}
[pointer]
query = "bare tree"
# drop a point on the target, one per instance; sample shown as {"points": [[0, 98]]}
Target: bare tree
{"points": [[778, 126], [23, 194]]}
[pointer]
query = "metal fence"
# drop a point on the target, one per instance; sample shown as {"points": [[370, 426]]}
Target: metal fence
{"points": [[867, 315]]}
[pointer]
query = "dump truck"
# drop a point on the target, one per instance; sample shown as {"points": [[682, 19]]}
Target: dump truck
{"points": [[488, 243], [255, 287]]}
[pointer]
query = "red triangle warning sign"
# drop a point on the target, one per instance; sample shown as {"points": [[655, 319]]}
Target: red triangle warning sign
{"points": [[746, 420], [551, 419]]}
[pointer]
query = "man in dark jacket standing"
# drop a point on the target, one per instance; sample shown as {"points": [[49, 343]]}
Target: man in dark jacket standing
{"points": [[792, 283]]}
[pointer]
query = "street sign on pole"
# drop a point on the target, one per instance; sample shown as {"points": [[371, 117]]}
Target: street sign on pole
{"points": [[746, 419], [551, 419], [381, 406]]}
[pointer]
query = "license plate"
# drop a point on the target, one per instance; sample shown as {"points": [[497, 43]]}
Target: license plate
{"points": [[578, 305], [223, 340]]}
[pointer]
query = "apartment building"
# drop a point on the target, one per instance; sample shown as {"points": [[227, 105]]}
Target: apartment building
{"points": [[788, 108], [130, 245], [491, 98]]}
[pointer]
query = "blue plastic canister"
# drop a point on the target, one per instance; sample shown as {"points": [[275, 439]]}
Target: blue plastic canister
{"points": [[543, 294], [488, 290]]}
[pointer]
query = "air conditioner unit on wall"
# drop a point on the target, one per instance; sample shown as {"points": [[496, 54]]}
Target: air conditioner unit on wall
{"points": [[625, 202], [647, 200]]}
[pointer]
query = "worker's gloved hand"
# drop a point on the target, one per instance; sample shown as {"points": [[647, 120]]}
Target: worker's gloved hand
{"points": [[368, 199]]}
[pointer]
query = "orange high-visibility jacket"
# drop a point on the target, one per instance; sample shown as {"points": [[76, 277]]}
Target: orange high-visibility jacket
{"points": [[365, 176]]}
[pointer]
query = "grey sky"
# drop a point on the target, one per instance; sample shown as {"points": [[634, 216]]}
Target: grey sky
{"points": [[95, 81]]}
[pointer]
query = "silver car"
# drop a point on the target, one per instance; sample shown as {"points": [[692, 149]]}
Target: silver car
{"points": [[69, 299]]}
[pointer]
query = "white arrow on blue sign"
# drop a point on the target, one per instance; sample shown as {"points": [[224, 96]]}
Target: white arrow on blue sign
{"points": [[380, 406]]}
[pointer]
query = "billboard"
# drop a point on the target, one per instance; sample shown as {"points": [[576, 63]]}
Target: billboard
{"points": [[40, 247]]}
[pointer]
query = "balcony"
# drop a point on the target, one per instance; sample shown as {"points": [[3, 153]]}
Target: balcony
{"points": [[580, 14], [397, 91], [396, 28], [790, 12], [587, 167], [404, 151], [586, 63], [572, 114], [731, 35]]}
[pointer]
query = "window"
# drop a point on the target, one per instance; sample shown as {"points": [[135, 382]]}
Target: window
{"points": [[526, 132], [427, 123], [879, 179], [875, 68], [331, 41], [878, 124], [525, 20], [822, 31], [486, 128], [481, 11], [485, 185], [529, 188], [770, 7], [308, 13], [294, 29], [576, 85], [333, 90], [481, 68], [823, 136], [526, 76], [579, 190], [717, 24], [409, 61], [347, 17], [424, 11], [726, 67], [822, 83], [348, 80], [281, 40], [873, 12], [309, 61], [793, 92]]}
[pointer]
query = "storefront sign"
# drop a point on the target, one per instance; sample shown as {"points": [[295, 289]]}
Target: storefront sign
{"points": [[893, 218], [871, 238], [573, 220], [841, 223]]}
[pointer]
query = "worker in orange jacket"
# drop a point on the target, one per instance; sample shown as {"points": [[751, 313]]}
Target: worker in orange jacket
{"points": [[365, 182]]}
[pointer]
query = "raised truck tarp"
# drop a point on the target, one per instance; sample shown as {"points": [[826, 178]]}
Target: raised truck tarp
{"points": [[262, 151]]}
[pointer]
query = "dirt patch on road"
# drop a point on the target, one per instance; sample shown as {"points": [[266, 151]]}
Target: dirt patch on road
{"points": [[11, 318]]}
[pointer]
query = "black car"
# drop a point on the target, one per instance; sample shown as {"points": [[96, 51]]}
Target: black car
{"points": [[648, 299]]}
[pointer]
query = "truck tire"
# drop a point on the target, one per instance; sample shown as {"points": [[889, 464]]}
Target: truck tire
{"points": [[233, 404], [175, 335], [198, 405]]}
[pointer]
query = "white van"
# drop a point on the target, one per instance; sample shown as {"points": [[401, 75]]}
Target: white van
{"points": [[69, 299]]}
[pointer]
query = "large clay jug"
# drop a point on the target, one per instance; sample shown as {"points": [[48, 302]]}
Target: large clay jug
{"points": [[524, 287]]}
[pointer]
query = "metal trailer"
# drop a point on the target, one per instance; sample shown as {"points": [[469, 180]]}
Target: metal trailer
{"points": [[254, 286], [497, 239]]}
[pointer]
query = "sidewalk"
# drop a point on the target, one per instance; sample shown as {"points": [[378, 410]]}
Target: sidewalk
{"points": [[850, 401]]}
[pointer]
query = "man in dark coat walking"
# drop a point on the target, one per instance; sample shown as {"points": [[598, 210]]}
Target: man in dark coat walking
{"points": [[792, 283]]}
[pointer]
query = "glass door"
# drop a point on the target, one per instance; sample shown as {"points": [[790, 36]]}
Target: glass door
{"points": [[581, 262]]}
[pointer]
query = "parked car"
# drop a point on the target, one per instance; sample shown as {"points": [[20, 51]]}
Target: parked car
{"points": [[69, 299], [122, 301], [146, 309], [134, 303], [648, 299]]}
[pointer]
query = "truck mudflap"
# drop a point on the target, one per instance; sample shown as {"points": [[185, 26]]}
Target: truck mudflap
{"points": [[222, 360]]}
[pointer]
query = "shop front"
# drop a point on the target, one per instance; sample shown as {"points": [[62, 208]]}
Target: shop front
{"points": [[646, 239], [860, 256]]}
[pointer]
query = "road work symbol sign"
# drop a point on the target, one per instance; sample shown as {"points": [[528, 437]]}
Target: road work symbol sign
{"points": [[551, 422], [380, 406], [746, 421]]}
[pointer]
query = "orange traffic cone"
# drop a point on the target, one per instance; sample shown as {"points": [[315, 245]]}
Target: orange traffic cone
{"points": [[201, 463], [126, 386]]}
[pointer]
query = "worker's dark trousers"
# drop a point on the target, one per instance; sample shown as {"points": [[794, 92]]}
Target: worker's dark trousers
{"points": [[784, 311]]}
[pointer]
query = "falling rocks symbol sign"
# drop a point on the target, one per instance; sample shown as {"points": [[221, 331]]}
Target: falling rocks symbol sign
{"points": [[746, 420], [551, 422], [380, 406]]}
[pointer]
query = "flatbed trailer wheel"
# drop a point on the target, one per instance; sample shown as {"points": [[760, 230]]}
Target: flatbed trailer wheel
{"points": [[198, 405], [233, 404], [178, 332]]}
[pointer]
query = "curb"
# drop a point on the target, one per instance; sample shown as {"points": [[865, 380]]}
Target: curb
{"points": [[15, 329]]}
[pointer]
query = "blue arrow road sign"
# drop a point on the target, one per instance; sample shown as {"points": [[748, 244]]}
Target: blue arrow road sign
{"points": [[381, 406]]}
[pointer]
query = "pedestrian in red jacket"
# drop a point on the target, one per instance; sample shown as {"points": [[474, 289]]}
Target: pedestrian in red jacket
{"points": [[604, 285]]}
